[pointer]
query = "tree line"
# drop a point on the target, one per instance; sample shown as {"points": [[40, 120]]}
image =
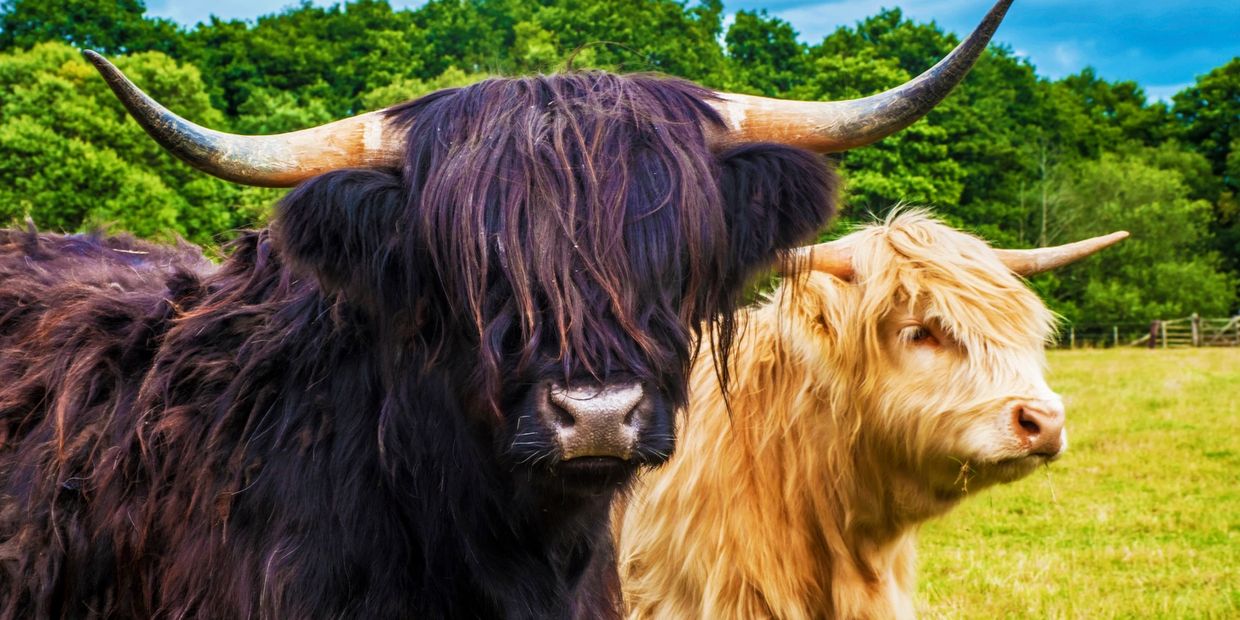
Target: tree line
{"points": [[1020, 159]]}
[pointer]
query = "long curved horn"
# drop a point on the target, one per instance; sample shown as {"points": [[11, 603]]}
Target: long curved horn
{"points": [[835, 257], [281, 160], [1038, 260], [365, 141], [832, 126]]}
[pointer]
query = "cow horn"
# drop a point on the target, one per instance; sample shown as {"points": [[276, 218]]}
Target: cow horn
{"points": [[835, 257], [365, 141], [832, 126], [1037, 260], [281, 160]]}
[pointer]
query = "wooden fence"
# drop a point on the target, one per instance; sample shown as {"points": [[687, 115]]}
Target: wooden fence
{"points": [[1192, 331]]}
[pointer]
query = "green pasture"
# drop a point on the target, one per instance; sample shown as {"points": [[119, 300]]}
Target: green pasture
{"points": [[1141, 518]]}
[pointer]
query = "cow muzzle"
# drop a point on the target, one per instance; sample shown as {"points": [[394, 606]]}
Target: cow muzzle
{"points": [[1038, 425], [597, 421]]}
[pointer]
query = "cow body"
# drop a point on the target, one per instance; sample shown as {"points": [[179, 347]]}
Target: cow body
{"points": [[355, 413], [859, 409], [206, 460]]}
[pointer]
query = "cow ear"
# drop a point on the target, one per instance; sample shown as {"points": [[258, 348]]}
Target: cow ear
{"points": [[777, 197], [335, 226]]}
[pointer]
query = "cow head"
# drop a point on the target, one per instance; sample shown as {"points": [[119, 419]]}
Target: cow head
{"points": [[938, 345], [552, 244], [556, 241]]}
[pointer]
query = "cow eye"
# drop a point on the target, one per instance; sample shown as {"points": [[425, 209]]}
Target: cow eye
{"points": [[918, 334]]}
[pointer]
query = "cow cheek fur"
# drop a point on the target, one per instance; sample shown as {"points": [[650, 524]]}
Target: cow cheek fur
{"points": [[944, 421], [749, 525]]}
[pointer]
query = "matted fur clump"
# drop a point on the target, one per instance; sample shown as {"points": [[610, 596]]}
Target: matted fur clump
{"points": [[336, 421], [858, 410]]}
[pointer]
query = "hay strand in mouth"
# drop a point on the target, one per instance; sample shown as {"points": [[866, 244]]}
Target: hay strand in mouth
{"points": [[964, 476]]}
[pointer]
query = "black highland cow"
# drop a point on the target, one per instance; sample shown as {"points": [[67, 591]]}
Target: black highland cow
{"points": [[417, 392]]}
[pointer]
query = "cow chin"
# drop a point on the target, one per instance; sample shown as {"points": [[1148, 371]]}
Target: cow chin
{"points": [[953, 478], [1010, 469], [979, 464], [583, 439], [997, 466]]}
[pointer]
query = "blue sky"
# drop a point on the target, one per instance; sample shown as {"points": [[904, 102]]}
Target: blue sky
{"points": [[1162, 45]]}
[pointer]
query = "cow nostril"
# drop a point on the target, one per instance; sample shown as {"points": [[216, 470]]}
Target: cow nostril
{"points": [[563, 418], [631, 415], [1039, 427], [1026, 423], [1031, 427]]}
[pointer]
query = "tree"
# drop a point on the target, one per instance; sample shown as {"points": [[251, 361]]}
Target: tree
{"points": [[961, 155], [1209, 112], [72, 159], [106, 26], [1117, 111], [320, 60], [1008, 155], [634, 35], [1166, 269], [764, 56], [406, 89]]}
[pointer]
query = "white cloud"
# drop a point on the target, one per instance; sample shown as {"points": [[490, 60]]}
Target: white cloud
{"points": [[1164, 92], [1065, 56]]}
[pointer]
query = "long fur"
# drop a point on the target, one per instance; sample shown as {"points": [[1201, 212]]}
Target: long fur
{"points": [[323, 425], [803, 501]]}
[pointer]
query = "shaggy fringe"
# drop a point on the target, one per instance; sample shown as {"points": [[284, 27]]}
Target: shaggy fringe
{"points": [[582, 218]]}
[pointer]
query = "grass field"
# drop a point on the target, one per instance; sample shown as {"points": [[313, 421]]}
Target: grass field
{"points": [[1141, 518]]}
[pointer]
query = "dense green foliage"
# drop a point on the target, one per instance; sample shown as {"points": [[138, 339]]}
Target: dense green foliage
{"points": [[70, 157], [1020, 159]]}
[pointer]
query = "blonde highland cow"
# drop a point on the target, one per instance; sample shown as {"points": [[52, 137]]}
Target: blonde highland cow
{"points": [[900, 372]]}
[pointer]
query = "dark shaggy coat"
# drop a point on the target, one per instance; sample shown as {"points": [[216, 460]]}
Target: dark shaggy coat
{"points": [[322, 425]]}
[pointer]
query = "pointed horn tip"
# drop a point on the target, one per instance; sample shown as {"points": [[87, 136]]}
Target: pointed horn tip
{"points": [[102, 65], [836, 126], [1108, 240], [95, 58]]}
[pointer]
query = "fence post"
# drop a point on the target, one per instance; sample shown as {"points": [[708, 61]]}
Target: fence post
{"points": [[1196, 322], [1162, 327], [1153, 341], [1115, 335], [1072, 337]]}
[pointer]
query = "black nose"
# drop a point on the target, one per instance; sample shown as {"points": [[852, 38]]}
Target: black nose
{"points": [[594, 420]]}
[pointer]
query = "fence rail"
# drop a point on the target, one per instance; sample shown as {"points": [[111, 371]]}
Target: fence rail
{"points": [[1191, 331]]}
